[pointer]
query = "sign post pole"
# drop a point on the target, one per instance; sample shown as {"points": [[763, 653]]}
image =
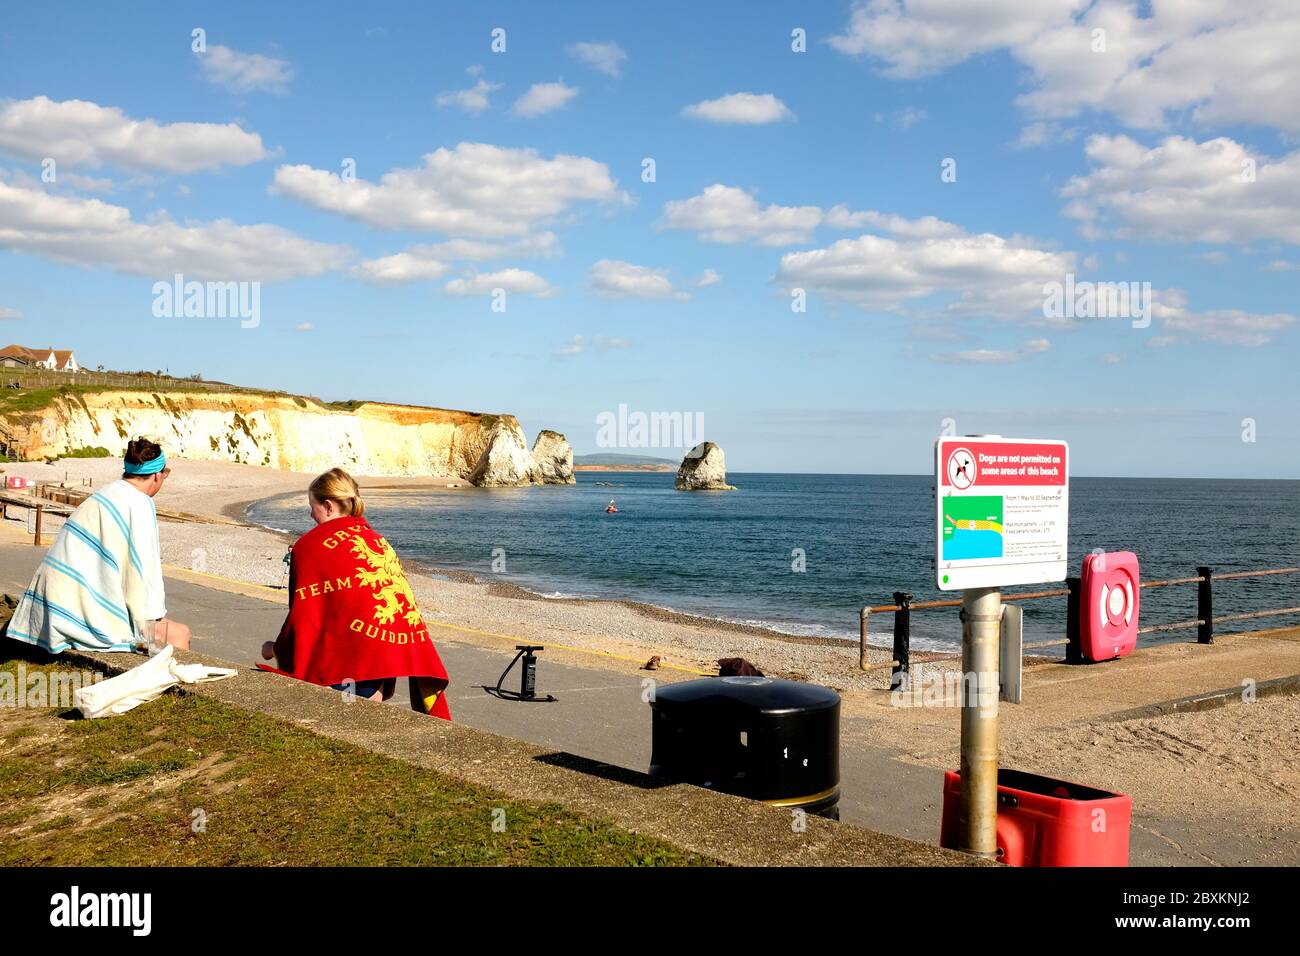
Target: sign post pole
{"points": [[1001, 518], [981, 624]]}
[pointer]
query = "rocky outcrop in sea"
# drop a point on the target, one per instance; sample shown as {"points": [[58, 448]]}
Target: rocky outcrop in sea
{"points": [[703, 469], [553, 458]]}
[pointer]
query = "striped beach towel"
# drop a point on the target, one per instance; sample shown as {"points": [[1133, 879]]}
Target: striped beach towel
{"points": [[101, 579]]}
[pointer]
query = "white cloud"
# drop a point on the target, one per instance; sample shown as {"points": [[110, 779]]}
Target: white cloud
{"points": [[543, 98], [303, 327], [982, 274], [473, 190], [1043, 132], [574, 347], [1184, 191], [65, 181], [921, 38], [707, 278], [909, 117], [597, 343], [1229, 326], [9, 314], [927, 227], [245, 72], [1280, 265], [1220, 326], [995, 356], [94, 234], [613, 279], [474, 100], [419, 263], [748, 108], [413, 265], [728, 214], [606, 57], [1112, 358], [78, 133], [1224, 61], [518, 281], [474, 250]]}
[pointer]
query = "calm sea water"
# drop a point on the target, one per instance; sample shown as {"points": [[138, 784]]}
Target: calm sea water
{"points": [[730, 555]]}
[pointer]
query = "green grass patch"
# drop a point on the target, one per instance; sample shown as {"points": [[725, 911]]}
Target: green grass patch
{"points": [[88, 451], [130, 790]]}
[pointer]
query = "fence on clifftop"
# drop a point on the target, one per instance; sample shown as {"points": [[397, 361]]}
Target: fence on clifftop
{"points": [[143, 381]]}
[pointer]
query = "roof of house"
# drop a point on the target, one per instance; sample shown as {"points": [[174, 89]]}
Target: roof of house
{"points": [[61, 356]]}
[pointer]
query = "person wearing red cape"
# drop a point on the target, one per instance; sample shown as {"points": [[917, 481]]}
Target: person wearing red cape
{"points": [[353, 623]]}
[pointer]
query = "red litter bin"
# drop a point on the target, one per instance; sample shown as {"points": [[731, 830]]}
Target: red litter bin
{"points": [[1047, 822]]}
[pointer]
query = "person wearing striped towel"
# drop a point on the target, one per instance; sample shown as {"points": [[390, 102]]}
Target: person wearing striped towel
{"points": [[100, 587]]}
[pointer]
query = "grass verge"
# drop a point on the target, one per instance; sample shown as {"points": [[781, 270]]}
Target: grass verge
{"points": [[190, 781]]}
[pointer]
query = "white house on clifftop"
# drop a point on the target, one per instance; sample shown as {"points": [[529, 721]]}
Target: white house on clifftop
{"points": [[57, 360]]}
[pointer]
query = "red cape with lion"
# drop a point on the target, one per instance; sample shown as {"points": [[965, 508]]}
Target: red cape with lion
{"points": [[353, 617]]}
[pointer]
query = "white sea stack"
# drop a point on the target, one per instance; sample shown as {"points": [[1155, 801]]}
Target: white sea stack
{"points": [[704, 469], [553, 458]]}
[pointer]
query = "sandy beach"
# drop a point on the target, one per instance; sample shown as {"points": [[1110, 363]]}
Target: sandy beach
{"points": [[626, 634]]}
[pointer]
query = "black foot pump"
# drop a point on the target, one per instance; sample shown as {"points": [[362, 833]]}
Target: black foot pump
{"points": [[527, 679]]}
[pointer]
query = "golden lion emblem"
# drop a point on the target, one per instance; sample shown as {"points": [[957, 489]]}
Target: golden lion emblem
{"points": [[385, 575]]}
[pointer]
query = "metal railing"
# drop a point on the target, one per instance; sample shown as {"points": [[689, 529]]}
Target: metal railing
{"points": [[1204, 621]]}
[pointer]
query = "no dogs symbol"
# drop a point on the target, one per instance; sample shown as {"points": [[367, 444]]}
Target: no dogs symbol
{"points": [[961, 469]]}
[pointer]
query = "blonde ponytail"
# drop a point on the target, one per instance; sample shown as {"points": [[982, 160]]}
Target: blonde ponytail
{"points": [[338, 486]]}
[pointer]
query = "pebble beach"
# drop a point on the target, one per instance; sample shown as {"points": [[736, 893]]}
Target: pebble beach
{"points": [[619, 632]]}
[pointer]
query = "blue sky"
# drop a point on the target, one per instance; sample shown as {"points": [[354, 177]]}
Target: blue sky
{"points": [[775, 170]]}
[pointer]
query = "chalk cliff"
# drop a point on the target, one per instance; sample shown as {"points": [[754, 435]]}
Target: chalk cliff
{"points": [[703, 469], [284, 431]]}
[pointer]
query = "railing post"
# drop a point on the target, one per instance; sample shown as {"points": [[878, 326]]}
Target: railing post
{"points": [[864, 662], [39, 512], [1073, 646], [1205, 606], [900, 676]]}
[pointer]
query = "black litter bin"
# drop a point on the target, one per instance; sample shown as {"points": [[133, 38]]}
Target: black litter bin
{"points": [[772, 740]]}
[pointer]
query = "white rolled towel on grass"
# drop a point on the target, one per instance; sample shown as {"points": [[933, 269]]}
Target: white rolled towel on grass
{"points": [[142, 684]]}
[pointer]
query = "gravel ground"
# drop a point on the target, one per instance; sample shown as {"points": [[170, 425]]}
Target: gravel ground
{"points": [[1235, 766]]}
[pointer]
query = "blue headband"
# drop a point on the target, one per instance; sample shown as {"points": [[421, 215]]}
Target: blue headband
{"points": [[151, 467]]}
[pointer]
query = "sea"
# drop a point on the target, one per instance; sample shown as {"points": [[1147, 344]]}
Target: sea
{"points": [[804, 553]]}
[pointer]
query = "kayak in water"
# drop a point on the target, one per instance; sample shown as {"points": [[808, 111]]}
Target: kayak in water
{"points": [[610, 509]]}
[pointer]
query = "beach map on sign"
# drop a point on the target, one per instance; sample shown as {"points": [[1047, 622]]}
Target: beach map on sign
{"points": [[972, 527]]}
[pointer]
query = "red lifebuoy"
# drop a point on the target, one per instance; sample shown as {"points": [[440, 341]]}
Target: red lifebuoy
{"points": [[1110, 599]]}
